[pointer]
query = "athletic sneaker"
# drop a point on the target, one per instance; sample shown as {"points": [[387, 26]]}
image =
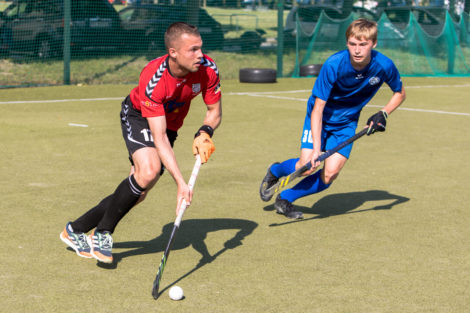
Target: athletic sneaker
{"points": [[283, 206], [76, 241], [101, 246], [268, 181]]}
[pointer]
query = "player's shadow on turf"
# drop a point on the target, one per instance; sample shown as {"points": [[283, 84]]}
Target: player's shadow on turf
{"points": [[346, 203], [192, 232]]}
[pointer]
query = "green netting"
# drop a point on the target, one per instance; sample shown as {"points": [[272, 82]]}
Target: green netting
{"points": [[110, 41], [325, 37], [416, 48]]}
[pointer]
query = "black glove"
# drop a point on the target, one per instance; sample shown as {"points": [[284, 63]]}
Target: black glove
{"points": [[377, 122]]}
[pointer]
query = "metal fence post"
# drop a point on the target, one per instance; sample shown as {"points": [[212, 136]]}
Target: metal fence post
{"points": [[66, 49], [280, 36]]}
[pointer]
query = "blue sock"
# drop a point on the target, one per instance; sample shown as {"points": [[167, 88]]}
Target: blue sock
{"points": [[285, 168], [307, 186]]}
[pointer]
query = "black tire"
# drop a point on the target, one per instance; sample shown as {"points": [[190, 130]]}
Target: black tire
{"points": [[257, 75], [310, 70]]}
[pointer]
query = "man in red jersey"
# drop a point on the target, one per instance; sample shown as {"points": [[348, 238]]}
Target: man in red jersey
{"points": [[150, 118]]}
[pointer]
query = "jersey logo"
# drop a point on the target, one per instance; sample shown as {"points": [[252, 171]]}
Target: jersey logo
{"points": [[359, 76], [374, 81], [172, 105], [210, 64], [155, 79], [196, 88]]}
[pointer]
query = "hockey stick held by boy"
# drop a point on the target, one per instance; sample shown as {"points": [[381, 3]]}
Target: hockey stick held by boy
{"points": [[348, 80]]}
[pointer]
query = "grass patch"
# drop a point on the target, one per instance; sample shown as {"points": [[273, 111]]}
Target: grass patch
{"points": [[123, 69]]}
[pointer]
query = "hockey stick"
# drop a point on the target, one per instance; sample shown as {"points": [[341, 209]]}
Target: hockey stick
{"points": [[268, 193], [176, 225]]}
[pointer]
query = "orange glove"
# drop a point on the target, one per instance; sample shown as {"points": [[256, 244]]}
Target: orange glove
{"points": [[203, 146]]}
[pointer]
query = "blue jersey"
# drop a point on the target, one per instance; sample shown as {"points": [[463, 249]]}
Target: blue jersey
{"points": [[346, 90]]}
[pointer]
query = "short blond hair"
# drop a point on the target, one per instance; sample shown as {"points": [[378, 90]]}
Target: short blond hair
{"points": [[176, 30], [362, 28]]}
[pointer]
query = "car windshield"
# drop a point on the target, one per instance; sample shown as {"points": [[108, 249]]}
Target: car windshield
{"points": [[89, 9], [126, 14], [14, 9]]}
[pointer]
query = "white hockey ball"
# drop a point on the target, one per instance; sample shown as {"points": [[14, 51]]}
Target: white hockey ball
{"points": [[176, 293]]}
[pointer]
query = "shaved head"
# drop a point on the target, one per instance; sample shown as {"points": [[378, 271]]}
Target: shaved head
{"points": [[176, 30]]}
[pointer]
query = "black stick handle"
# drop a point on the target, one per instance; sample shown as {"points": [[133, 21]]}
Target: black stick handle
{"points": [[328, 153]]}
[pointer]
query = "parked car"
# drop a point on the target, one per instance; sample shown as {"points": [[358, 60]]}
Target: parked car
{"points": [[36, 26], [270, 4], [144, 25], [400, 17]]}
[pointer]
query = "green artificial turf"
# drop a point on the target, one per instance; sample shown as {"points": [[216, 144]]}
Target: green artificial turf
{"points": [[390, 235]]}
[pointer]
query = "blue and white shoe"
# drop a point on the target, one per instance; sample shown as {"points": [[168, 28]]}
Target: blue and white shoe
{"points": [[101, 246], [76, 241]]}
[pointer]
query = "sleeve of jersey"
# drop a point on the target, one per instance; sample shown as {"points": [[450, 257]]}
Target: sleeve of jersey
{"points": [[151, 93], [212, 94], [325, 81], [393, 77]]}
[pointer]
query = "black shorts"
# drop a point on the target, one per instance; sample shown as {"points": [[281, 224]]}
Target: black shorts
{"points": [[136, 130]]}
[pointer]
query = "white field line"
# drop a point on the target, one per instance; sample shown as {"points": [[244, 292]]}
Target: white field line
{"points": [[78, 125], [267, 94], [310, 90], [438, 86], [59, 100]]}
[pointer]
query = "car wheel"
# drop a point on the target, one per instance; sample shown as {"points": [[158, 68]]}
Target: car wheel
{"points": [[44, 48], [250, 41], [310, 70], [257, 75]]}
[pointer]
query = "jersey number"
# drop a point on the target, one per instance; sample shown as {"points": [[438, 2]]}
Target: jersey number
{"points": [[147, 134], [307, 137]]}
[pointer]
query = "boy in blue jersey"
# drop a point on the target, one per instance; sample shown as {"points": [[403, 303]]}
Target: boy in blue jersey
{"points": [[347, 82]]}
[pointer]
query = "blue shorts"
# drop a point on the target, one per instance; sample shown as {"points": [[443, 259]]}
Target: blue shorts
{"points": [[331, 136]]}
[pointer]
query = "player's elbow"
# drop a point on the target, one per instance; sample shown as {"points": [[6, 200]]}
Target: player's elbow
{"points": [[402, 94]]}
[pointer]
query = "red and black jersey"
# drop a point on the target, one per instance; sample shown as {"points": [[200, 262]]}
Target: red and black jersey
{"points": [[161, 94]]}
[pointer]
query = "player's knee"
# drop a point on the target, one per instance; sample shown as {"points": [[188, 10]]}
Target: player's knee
{"points": [[145, 176], [329, 176], [304, 159], [298, 164], [142, 197]]}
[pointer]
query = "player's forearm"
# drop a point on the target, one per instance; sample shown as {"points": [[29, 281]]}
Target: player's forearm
{"points": [[316, 123], [213, 116], [167, 157], [165, 151], [396, 100]]}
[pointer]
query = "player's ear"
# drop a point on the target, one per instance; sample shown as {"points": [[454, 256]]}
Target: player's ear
{"points": [[172, 52], [374, 45]]}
